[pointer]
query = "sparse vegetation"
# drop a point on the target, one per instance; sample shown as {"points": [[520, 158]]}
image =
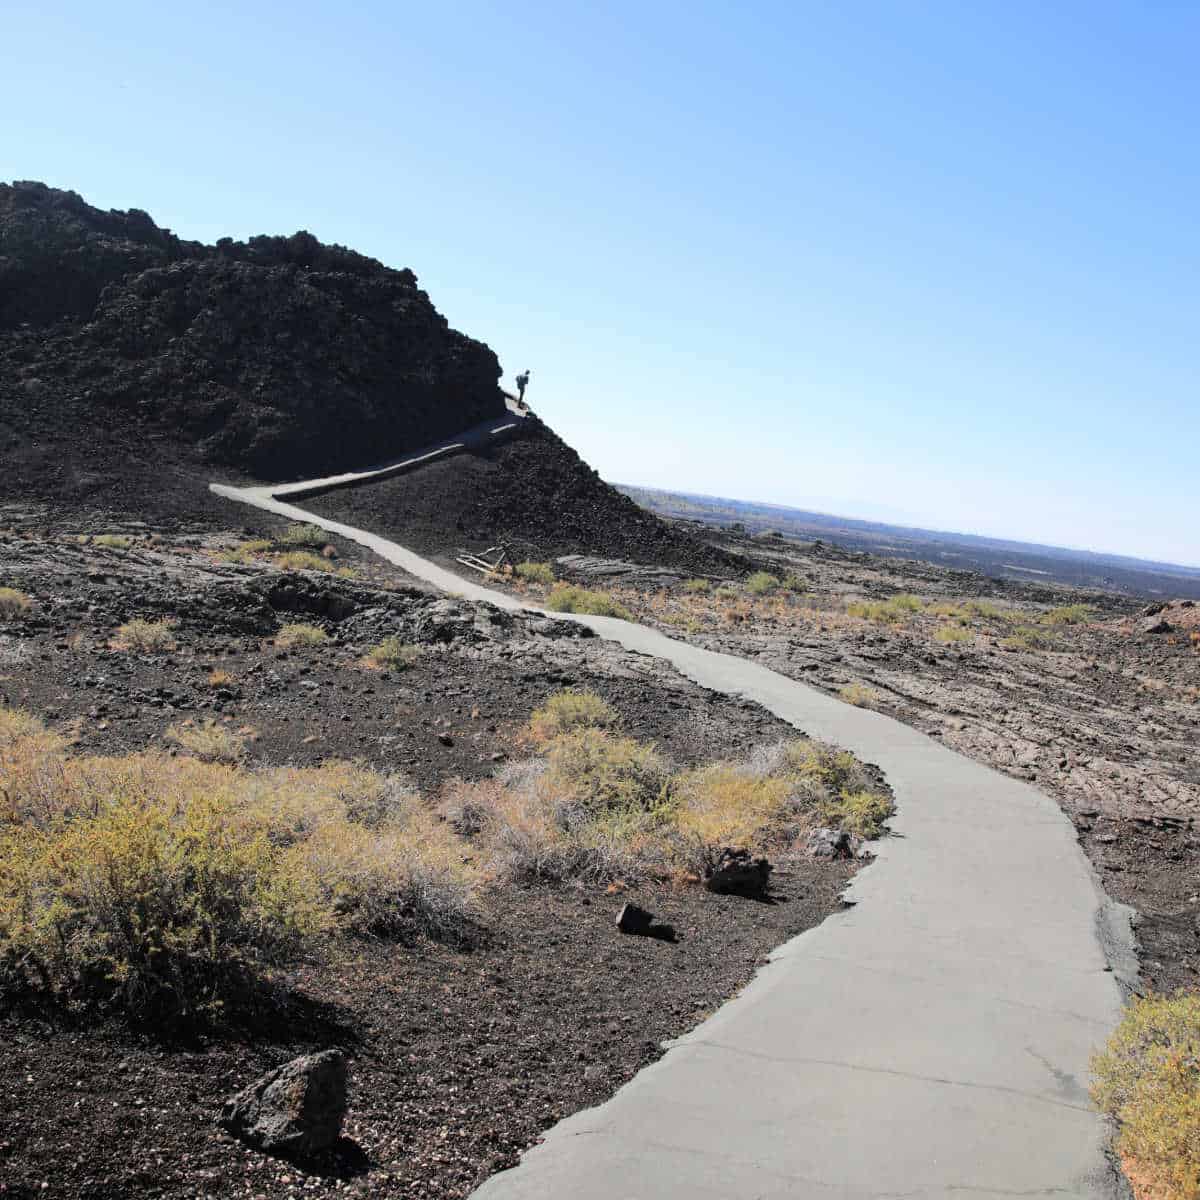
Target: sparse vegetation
{"points": [[1068, 614], [302, 535], [696, 587], [604, 774], [795, 584], [14, 605], [299, 634], [1027, 637], [862, 813], [392, 654], [859, 695], [762, 583], [145, 636], [951, 634], [112, 541], [568, 598], [209, 742], [1148, 1079], [600, 806], [163, 885], [245, 552], [572, 709], [535, 572], [218, 679], [302, 560], [888, 612]]}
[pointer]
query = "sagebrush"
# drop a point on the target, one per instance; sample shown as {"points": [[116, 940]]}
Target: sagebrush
{"points": [[1148, 1079], [535, 572], [163, 886], [600, 806], [14, 604], [568, 598], [569, 710], [146, 636]]}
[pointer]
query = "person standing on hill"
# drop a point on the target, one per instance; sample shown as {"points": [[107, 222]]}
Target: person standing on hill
{"points": [[522, 384]]}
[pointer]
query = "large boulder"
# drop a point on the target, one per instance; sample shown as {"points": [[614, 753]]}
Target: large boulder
{"points": [[296, 1110]]}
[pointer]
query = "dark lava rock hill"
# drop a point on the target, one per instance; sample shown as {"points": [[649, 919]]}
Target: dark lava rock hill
{"points": [[532, 494], [278, 357], [136, 366]]}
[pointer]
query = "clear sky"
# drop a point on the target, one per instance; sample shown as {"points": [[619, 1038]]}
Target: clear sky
{"points": [[929, 262]]}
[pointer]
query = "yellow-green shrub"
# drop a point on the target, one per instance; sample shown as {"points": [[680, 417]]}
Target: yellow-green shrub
{"points": [[13, 604], [535, 572], [161, 884], [886, 611], [1027, 637], [393, 654], [113, 541], [723, 805], [303, 560], [696, 586], [1148, 1079], [146, 636], [604, 773], [571, 709], [302, 535], [760, 583], [566, 597], [859, 695], [604, 807], [245, 552], [951, 634], [209, 742], [861, 813], [155, 908], [299, 634]]}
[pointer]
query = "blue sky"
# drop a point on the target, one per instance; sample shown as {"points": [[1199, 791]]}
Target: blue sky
{"points": [[927, 262]]}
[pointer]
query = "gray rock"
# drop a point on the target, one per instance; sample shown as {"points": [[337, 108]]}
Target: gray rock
{"points": [[296, 1110], [830, 843]]}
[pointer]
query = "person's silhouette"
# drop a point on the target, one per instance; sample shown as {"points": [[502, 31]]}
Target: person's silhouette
{"points": [[522, 384]]}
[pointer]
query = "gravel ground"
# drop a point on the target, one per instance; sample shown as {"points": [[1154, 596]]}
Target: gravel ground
{"points": [[459, 1059]]}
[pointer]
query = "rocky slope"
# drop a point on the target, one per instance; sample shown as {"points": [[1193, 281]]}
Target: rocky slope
{"points": [[531, 494], [279, 357], [135, 367], [459, 1059]]}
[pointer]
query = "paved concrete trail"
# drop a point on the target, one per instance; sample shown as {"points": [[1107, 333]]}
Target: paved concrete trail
{"points": [[931, 1041]]}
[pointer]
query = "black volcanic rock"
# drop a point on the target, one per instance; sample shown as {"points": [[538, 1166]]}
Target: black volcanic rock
{"points": [[277, 356], [136, 367]]}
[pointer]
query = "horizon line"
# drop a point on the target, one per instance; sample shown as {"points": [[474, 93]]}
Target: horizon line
{"points": [[817, 512]]}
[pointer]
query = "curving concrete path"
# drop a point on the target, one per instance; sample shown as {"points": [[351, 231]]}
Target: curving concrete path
{"points": [[931, 1041]]}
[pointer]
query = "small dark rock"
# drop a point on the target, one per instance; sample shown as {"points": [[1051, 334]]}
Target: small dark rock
{"points": [[736, 873], [296, 1110], [445, 739], [1156, 625], [632, 919]]}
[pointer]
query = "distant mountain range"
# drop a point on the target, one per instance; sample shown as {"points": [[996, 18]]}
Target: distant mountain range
{"points": [[997, 557]]}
